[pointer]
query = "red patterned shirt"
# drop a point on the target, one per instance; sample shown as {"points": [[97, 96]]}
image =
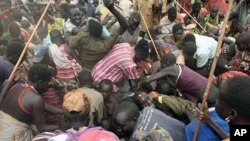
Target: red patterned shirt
{"points": [[117, 65]]}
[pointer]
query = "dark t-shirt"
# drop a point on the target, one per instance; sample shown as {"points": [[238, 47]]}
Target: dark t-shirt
{"points": [[151, 117], [5, 69]]}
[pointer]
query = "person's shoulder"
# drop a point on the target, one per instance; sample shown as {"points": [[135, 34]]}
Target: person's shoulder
{"points": [[35, 96], [90, 91], [35, 100]]}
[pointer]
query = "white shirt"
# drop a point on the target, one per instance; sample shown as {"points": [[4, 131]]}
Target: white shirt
{"points": [[206, 48], [126, 6], [68, 26]]}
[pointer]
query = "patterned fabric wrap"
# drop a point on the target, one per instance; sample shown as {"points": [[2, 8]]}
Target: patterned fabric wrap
{"points": [[12, 129], [52, 98]]}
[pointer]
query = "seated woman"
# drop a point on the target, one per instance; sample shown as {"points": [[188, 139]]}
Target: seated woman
{"points": [[66, 65]]}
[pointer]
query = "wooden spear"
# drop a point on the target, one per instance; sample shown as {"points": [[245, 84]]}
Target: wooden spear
{"points": [[189, 15], [143, 19], [4, 91], [211, 73]]}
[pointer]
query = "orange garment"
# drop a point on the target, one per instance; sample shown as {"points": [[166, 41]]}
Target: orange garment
{"points": [[221, 3]]}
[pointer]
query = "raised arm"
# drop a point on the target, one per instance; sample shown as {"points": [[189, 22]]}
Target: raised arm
{"points": [[120, 18], [156, 76]]}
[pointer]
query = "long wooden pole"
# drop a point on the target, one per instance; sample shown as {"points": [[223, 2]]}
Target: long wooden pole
{"points": [[149, 34], [211, 73], [190, 15], [3, 93]]}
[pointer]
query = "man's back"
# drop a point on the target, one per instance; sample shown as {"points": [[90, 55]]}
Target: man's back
{"points": [[150, 118], [19, 95], [16, 113], [116, 65]]}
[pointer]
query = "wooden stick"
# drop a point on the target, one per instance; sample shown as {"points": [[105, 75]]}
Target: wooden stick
{"points": [[189, 15], [143, 19], [211, 73], [3, 94]]}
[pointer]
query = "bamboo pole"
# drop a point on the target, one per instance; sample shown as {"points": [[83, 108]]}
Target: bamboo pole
{"points": [[143, 19], [3, 93], [189, 15], [211, 73]]}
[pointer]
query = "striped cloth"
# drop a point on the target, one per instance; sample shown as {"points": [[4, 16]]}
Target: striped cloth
{"points": [[66, 66], [12, 129], [117, 65], [44, 136], [52, 98]]}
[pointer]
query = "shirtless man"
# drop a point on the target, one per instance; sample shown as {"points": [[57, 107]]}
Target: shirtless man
{"points": [[24, 105]]}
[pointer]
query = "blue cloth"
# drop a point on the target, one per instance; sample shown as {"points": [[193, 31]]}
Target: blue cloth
{"points": [[105, 32], [205, 132], [47, 40], [151, 117], [40, 51]]}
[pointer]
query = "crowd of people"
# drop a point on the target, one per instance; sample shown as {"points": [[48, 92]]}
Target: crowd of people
{"points": [[131, 70]]}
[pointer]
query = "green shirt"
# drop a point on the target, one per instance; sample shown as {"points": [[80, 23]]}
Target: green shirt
{"points": [[214, 22], [91, 49]]}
